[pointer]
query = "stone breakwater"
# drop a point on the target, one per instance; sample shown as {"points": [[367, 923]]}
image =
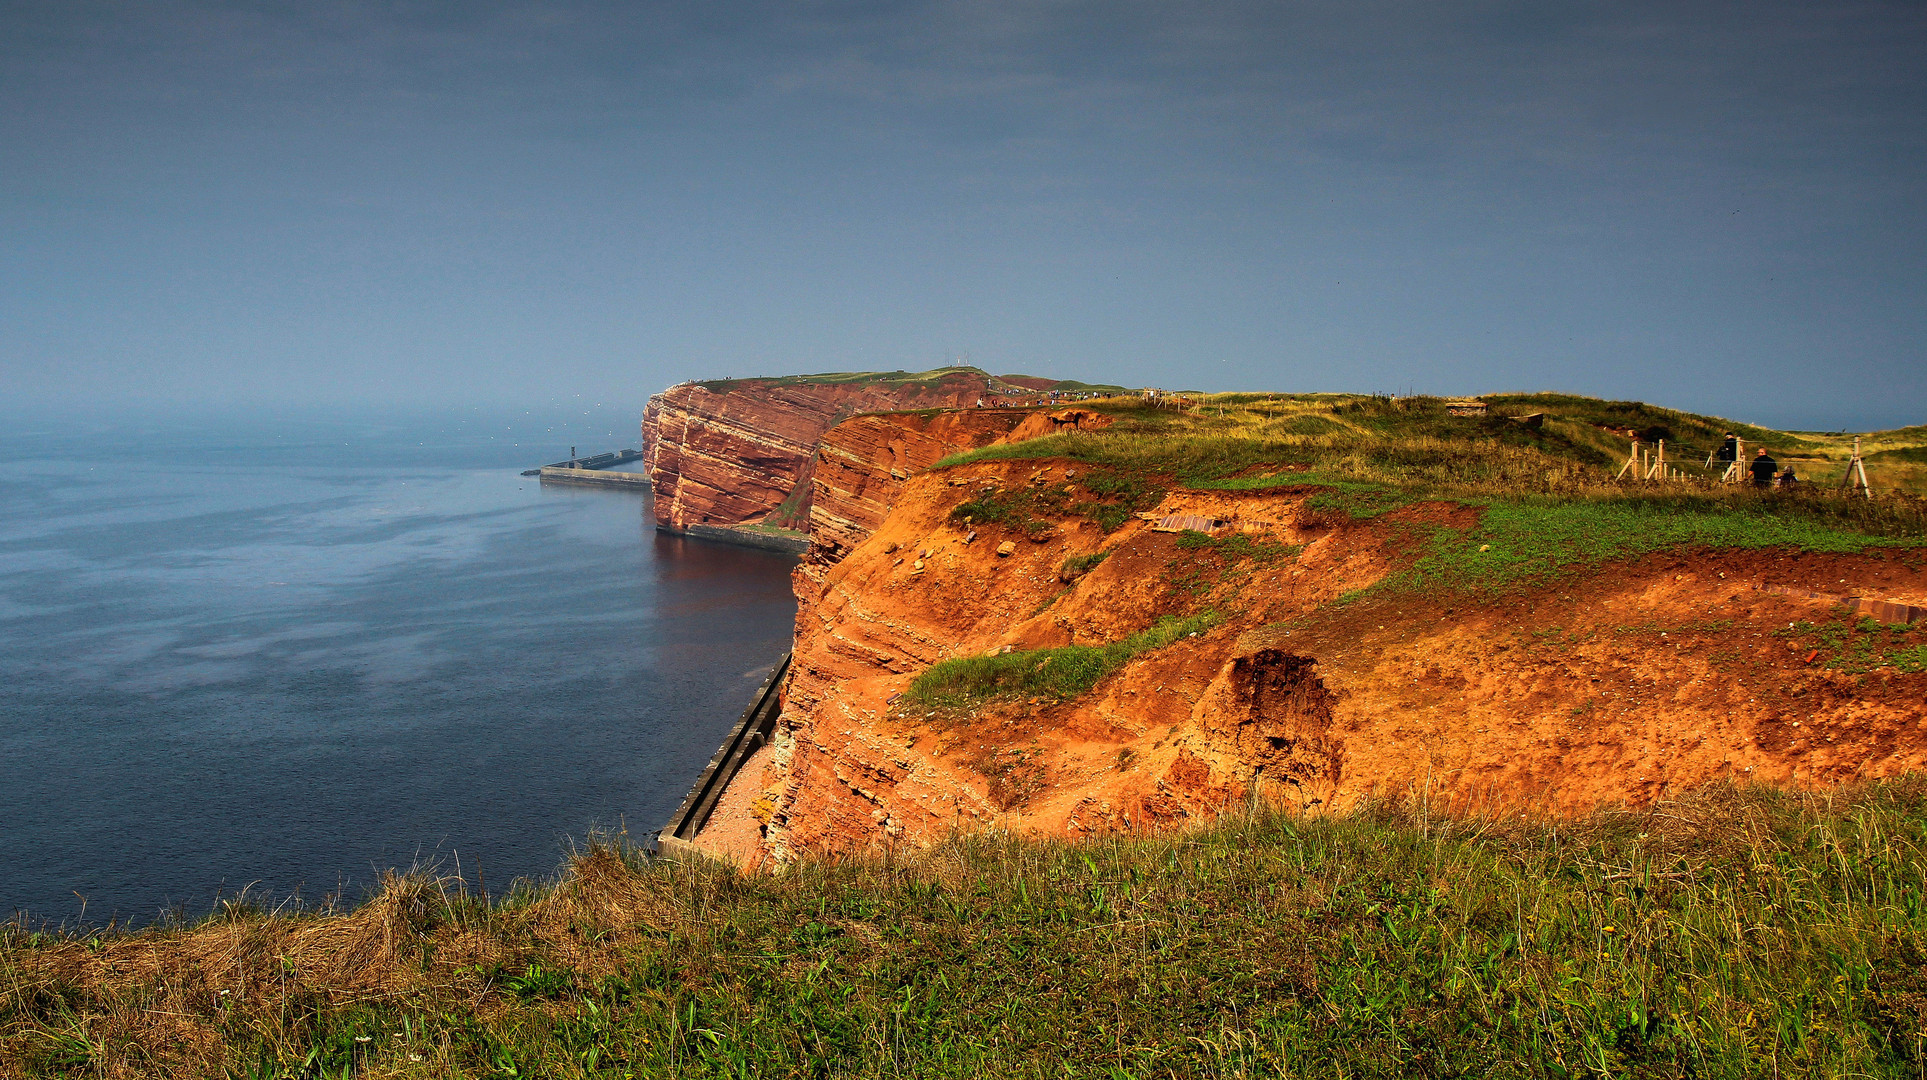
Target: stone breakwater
{"points": [[557, 474]]}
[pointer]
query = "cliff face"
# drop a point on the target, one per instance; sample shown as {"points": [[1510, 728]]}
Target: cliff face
{"points": [[739, 452], [862, 464], [1559, 700]]}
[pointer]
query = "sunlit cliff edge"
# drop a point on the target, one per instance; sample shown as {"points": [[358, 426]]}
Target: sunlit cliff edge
{"points": [[1369, 596]]}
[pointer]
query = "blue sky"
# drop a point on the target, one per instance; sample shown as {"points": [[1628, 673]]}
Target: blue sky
{"points": [[1712, 206]]}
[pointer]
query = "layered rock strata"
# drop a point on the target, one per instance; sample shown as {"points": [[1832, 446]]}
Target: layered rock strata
{"points": [[864, 462], [739, 452]]}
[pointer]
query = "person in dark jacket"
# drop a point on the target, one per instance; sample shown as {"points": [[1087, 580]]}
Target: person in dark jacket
{"points": [[1763, 468], [1729, 449]]}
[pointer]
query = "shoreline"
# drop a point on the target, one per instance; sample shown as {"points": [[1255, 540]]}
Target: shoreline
{"points": [[748, 735], [784, 540]]}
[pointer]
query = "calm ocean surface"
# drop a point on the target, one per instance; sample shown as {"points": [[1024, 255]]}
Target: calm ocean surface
{"points": [[287, 652]]}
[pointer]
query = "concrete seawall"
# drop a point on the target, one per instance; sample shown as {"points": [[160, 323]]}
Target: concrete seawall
{"points": [[796, 543], [556, 474], [750, 732]]}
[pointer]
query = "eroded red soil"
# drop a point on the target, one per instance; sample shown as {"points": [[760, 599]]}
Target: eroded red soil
{"points": [[1618, 684]]}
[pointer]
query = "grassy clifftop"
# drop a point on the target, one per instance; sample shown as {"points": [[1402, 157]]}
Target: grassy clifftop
{"points": [[1738, 933], [1540, 467], [1535, 442], [1003, 384]]}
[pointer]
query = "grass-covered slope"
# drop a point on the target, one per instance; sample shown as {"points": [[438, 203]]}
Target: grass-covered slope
{"points": [[1061, 672], [1538, 442], [1738, 933], [1546, 487]]}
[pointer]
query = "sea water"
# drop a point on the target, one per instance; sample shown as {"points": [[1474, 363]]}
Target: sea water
{"points": [[283, 653]]}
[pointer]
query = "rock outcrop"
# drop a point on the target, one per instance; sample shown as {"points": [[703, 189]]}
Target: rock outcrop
{"points": [[864, 462], [742, 451]]}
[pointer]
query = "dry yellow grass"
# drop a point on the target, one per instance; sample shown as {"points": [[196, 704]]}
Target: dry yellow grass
{"points": [[1727, 933]]}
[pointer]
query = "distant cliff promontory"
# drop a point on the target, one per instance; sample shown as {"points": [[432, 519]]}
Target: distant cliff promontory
{"points": [[743, 451]]}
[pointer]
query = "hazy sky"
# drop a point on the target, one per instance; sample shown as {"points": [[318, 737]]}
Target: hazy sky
{"points": [[1713, 206]]}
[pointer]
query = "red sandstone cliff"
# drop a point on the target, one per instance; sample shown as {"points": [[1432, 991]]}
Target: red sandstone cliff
{"points": [[1555, 700], [741, 451], [863, 463]]}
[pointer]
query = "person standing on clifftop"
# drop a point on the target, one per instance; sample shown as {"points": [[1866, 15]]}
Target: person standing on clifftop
{"points": [[1764, 467], [1729, 449]]}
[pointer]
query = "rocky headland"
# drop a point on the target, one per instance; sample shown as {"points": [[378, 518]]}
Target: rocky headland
{"points": [[1342, 633], [742, 452]]}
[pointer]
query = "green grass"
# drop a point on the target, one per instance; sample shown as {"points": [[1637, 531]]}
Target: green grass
{"points": [[1547, 509], [1682, 429], [1236, 546], [766, 527], [1240, 454], [1548, 501], [1845, 643], [1250, 442], [1360, 502], [932, 378], [789, 513], [1734, 934], [1035, 510], [1014, 510], [1518, 544], [1058, 673], [1078, 565]]}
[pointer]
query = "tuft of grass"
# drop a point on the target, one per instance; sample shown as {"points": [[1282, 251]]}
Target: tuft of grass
{"points": [[1077, 566], [1032, 510], [1013, 510], [1119, 495], [1059, 673], [1735, 933], [789, 514], [538, 981]]}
